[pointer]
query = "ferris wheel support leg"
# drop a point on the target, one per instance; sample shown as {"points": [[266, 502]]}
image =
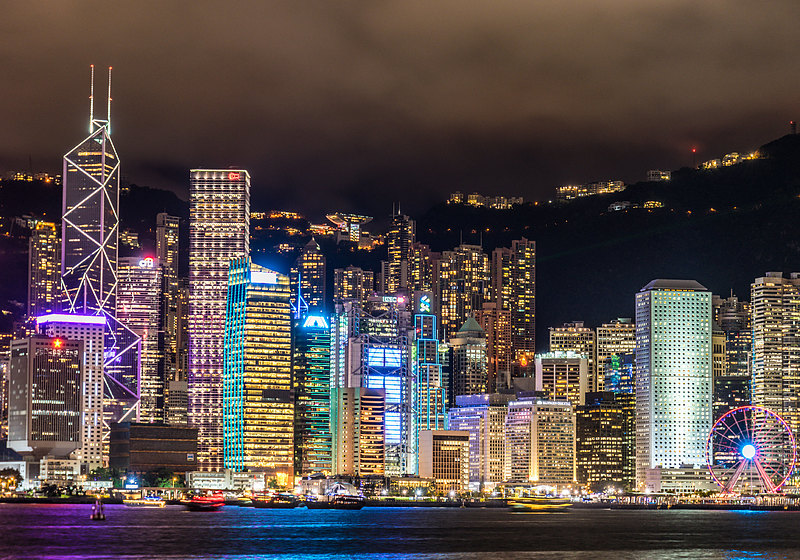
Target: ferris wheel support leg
{"points": [[732, 482], [765, 477]]}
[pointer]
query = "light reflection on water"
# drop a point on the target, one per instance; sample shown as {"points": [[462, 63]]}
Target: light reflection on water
{"points": [[64, 531]]}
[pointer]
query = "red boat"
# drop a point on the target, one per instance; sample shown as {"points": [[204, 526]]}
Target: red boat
{"points": [[211, 502]]}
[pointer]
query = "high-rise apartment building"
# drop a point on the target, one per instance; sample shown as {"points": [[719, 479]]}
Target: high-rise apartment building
{"points": [[44, 269], [577, 338], [673, 376], [462, 285], [353, 283], [423, 268], [484, 418], [617, 338], [496, 323], [307, 281], [540, 442], [513, 273], [775, 304], [606, 441], [399, 241], [97, 410], [219, 231], [139, 308], [167, 255], [562, 375], [469, 365], [45, 405], [258, 405], [312, 395]]}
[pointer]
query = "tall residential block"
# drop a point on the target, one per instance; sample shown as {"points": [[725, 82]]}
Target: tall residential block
{"points": [[673, 376], [496, 323], [258, 405], [167, 255], [312, 395], [399, 241], [353, 283], [44, 269], [513, 272], [219, 231], [775, 303], [462, 285], [97, 410]]}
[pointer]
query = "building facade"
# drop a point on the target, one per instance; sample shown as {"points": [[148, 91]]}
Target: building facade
{"points": [[44, 269], [469, 362], [444, 457], [577, 338], [562, 375]]}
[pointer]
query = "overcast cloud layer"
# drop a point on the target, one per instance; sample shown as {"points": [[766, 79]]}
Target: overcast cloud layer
{"points": [[350, 105]]}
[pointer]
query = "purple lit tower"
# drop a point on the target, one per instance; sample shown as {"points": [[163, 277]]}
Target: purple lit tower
{"points": [[90, 227]]}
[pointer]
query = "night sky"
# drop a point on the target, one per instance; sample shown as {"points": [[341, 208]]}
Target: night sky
{"points": [[349, 105]]}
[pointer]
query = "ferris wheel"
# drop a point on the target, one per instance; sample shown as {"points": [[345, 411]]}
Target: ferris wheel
{"points": [[751, 450]]}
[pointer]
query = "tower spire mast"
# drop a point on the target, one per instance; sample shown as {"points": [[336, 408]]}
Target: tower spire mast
{"points": [[91, 100], [108, 120]]}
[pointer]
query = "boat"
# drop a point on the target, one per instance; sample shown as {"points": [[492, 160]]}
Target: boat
{"points": [[339, 496], [97, 511], [210, 502], [539, 504], [275, 500], [148, 502]]}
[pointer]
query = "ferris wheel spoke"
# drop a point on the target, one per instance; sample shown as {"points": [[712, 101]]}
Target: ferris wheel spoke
{"points": [[764, 477], [731, 483]]}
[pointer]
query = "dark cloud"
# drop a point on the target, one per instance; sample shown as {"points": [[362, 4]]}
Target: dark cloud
{"points": [[352, 104]]}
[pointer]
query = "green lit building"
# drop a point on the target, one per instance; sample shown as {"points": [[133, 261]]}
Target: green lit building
{"points": [[312, 392], [258, 404]]}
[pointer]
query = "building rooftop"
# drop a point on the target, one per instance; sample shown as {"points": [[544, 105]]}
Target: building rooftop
{"points": [[671, 284], [471, 325]]}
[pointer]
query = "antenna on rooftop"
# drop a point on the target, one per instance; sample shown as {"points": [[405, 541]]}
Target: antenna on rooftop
{"points": [[108, 120], [91, 100]]}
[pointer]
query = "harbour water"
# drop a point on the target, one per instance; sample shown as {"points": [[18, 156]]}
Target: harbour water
{"points": [[65, 531]]}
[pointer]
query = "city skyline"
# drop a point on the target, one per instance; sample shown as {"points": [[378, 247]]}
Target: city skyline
{"points": [[408, 96]]}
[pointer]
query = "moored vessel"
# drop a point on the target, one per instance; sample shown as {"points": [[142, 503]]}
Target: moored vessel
{"points": [[211, 502]]}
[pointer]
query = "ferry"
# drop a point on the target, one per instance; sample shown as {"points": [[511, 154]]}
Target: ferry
{"points": [[275, 500], [539, 504], [148, 502], [339, 496], [205, 503]]}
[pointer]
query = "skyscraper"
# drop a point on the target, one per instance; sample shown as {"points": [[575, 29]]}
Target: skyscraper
{"points": [[139, 307], [469, 364], [617, 338], [90, 229], [45, 403], [353, 283], [308, 278], [431, 384], [673, 375], [258, 407], [513, 273], [462, 285], [575, 337], [400, 239], [775, 302], [562, 375], [219, 231], [44, 270], [423, 268], [167, 255], [496, 323], [96, 414], [312, 395]]}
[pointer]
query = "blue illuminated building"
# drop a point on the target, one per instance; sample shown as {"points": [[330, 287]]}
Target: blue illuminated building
{"points": [[312, 391], [431, 383], [620, 373]]}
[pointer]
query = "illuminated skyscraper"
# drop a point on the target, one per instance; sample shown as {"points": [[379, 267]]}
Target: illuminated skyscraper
{"points": [[90, 229], [540, 442], [309, 272], [167, 254], [219, 230], [673, 375], [400, 238], [258, 407], [462, 285], [574, 337], [353, 283], [312, 395], [95, 417], [44, 270], [431, 384], [359, 437], [606, 441], [513, 273], [617, 338], [45, 407], [469, 364], [496, 323], [423, 268], [562, 375], [775, 302], [139, 307]]}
